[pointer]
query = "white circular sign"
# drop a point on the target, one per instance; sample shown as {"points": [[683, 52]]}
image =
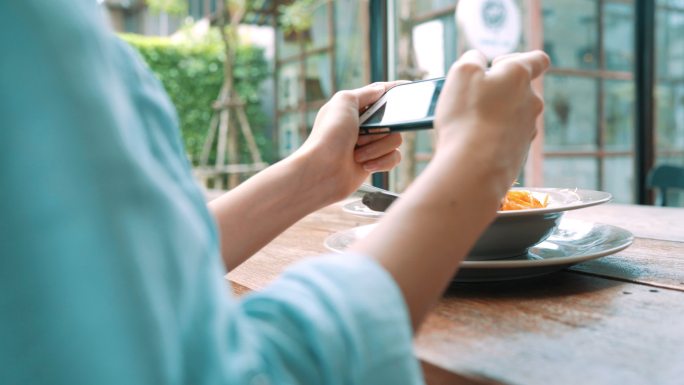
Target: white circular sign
{"points": [[490, 26]]}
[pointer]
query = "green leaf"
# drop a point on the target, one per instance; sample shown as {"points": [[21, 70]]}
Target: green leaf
{"points": [[192, 74], [173, 7]]}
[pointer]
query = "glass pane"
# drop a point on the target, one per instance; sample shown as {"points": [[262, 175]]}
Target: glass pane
{"points": [[618, 36], [571, 33], [672, 3], [352, 59], [669, 119], [310, 119], [450, 39], [570, 114], [669, 43], [669, 93], [565, 172], [662, 40], [318, 81], [676, 46], [618, 99], [319, 35], [424, 45], [425, 6], [428, 45], [288, 128], [425, 38], [421, 166], [424, 139], [288, 86], [618, 178], [287, 44]]}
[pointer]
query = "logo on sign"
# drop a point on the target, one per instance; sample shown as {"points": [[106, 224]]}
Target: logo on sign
{"points": [[491, 26], [494, 14]]}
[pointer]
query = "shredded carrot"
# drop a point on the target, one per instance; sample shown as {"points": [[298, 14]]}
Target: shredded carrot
{"points": [[521, 200]]}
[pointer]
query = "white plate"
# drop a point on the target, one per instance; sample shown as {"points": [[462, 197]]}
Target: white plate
{"points": [[573, 242], [357, 207], [559, 200]]}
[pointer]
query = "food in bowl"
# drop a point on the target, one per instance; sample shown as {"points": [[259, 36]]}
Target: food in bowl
{"points": [[514, 200], [522, 200]]}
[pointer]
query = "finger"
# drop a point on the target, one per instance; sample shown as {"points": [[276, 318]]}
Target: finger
{"points": [[365, 139], [371, 93], [540, 62], [377, 149], [471, 60], [384, 163], [500, 58], [535, 62], [395, 83], [468, 70]]}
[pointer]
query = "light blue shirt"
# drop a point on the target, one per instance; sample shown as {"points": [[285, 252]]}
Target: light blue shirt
{"points": [[109, 264]]}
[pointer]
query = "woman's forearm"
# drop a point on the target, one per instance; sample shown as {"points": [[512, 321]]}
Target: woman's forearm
{"points": [[427, 233], [255, 212], [484, 121]]}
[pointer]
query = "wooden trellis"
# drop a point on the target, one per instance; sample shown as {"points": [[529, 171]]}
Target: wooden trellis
{"points": [[229, 119]]}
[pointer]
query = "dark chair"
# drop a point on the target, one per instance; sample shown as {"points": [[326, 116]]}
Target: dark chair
{"points": [[665, 177]]}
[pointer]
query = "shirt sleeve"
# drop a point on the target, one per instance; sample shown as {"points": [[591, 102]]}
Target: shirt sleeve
{"points": [[337, 319]]}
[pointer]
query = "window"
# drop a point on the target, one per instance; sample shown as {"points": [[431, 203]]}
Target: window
{"points": [[589, 94], [312, 65], [669, 93], [426, 41]]}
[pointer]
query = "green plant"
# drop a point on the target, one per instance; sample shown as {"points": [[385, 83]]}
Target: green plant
{"points": [[192, 74], [293, 17]]}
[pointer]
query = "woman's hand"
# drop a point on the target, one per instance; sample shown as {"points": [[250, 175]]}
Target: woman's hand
{"points": [[492, 111], [329, 166], [338, 158]]}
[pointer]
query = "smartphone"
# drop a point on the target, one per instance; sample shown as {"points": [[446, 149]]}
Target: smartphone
{"points": [[409, 106]]}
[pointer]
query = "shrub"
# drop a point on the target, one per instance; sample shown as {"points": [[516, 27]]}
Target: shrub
{"points": [[192, 74]]}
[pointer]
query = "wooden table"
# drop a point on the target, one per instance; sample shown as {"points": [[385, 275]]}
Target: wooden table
{"points": [[614, 320]]}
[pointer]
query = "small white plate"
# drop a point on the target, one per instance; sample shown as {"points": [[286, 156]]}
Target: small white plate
{"points": [[573, 242], [560, 199]]}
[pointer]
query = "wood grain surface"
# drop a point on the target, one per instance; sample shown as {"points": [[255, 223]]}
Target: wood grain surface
{"points": [[564, 328], [647, 261], [664, 223], [615, 320]]}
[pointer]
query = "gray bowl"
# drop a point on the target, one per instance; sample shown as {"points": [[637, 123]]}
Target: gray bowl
{"points": [[511, 236], [513, 232]]}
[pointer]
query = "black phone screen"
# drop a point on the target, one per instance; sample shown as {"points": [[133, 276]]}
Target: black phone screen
{"points": [[406, 103]]}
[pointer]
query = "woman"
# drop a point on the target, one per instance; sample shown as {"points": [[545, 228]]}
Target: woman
{"points": [[111, 267]]}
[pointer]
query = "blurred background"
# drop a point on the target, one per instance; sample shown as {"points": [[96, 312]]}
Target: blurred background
{"points": [[614, 94]]}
